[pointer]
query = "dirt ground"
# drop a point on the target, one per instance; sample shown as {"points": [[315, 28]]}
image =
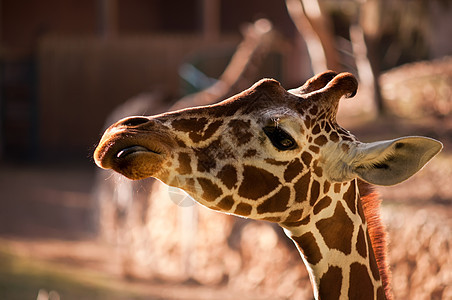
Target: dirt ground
{"points": [[48, 216]]}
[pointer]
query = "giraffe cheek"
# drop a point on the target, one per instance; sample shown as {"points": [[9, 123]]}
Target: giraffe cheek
{"points": [[301, 188], [276, 203], [292, 170], [257, 183]]}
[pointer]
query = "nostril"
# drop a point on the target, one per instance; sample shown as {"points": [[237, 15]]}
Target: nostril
{"points": [[133, 121]]}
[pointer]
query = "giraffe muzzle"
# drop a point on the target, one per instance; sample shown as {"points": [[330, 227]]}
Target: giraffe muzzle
{"points": [[129, 158], [133, 148]]}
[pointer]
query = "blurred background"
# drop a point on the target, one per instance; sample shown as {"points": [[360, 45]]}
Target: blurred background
{"points": [[69, 68]]}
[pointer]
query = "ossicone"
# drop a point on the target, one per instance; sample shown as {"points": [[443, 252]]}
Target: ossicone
{"points": [[326, 89]]}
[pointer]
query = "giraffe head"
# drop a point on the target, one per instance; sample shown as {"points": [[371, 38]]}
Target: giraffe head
{"points": [[280, 156], [264, 153]]}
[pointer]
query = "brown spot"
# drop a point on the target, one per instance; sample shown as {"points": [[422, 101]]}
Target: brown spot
{"points": [[275, 162], [337, 187], [184, 164], [205, 162], [381, 293], [306, 220], [241, 131], [228, 175], [334, 136], [292, 170], [301, 187], [337, 231], [321, 140], [276, 203], [257, 183], [272, 219], [210, 190], [372, 260], [306, 157], [361, 286], [308, 245], [323, 203], [208, 155], [317, 170], [212, 128], [307, 122], [243, 209], [361, 243], [180, 142], [315, 192], [190, 124], [330, 284], [294, 215], [345, 147], [195, 127], [220, 150], [326, 187], [250, 153], [314, 149], [316, 129], [347, 138], [366, 190], [350, 197], [327, 127], [314, 110], [196, 137], [226, 203]]}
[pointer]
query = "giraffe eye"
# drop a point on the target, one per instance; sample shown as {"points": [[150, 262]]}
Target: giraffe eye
{"points": [[279, 138]]}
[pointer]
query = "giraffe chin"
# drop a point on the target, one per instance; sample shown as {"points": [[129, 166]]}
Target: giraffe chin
{"points": [[133, 161], [137, 163]]}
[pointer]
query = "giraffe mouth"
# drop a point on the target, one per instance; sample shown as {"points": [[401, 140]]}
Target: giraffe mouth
{"points": [[133, 157], [123, 153]]}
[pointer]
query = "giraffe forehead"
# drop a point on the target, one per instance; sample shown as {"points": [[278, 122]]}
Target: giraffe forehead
{"points": [[202, 123], [282, 111]]}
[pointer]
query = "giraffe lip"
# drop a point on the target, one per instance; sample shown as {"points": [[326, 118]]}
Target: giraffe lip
{"points": [[132, 160], [133, 150], [111, 154]]}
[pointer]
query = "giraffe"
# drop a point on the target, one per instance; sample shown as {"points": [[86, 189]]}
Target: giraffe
{"points": [[119, 213], [280, 156]]}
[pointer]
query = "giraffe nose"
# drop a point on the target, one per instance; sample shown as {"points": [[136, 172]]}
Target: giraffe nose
{"points": [[133, 121]]}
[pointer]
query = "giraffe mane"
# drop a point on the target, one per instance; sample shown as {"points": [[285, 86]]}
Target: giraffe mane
{"points": [[370, 201]]}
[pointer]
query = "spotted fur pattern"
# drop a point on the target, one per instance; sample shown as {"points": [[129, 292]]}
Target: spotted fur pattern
{"points": [[221, 156]]}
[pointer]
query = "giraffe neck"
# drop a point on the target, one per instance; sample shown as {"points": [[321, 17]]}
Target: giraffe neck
{"points": [[337, 246]]}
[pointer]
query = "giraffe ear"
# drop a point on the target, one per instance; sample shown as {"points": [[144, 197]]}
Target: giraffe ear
{"points": [[391, 162]]}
